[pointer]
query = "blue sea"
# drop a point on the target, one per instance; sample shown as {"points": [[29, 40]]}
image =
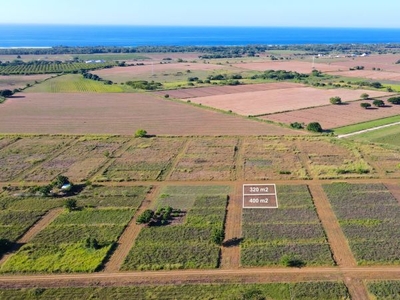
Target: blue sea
{"points": [[85, 35]]}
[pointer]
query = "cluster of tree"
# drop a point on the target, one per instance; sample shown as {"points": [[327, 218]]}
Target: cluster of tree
{"points": [[58, 183], [394, 100], [162, 216], [144, 85], [356, 49], [375, 84], [280, 75], [356, 68], [95, 77], [6, 93], [377, 103], [33, 63]]}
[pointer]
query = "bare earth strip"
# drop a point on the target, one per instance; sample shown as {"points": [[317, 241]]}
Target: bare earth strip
{"points": [[333, 116], [338, 242], [226, 90], [230, 253], [33, 231], [280, 99], [253, 275], [128, 237], [376, 75], [123, 114]]}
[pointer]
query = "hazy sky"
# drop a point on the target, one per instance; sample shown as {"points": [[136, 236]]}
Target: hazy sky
{"points": [[335, 13]]}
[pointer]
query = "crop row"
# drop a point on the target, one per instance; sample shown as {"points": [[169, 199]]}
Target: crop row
{"points": [[385, 290], [369, 216], [14, 223], [50, 68], [277, 291], [291, 232]]}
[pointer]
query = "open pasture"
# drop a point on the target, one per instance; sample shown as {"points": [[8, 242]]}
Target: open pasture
{"points": [[370, 74], [225, 90], [187, 245], [75, 83], [292, 65], [62, 247], [385, 62], [206, 159], [291, 232], [21, 81], [78, 162], [145, 159], [332, 116], [271, 158], [280, 99], [115, 196], [26, 153], [388, 135], [369, 216], [161, 72]]}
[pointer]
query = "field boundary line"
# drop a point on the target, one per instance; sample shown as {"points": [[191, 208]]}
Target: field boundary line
{"points": [[177, 158], [41, 224], [337, 241], [117, 153], [129, 235], [55, 154], [239, 161], [367, 130]]}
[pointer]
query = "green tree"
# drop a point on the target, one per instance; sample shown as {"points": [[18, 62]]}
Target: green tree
{"points": [[314, 126], [335, 100], [145, 217], [364, 96], [92, 243], [70, 204], [60, 180], [365, 105], [378, 103], [218, 236], [394, 100], [140, 133]]}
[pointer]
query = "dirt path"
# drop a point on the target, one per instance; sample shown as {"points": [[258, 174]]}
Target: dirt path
{"points": [[366, 130], [253, 275], [239, 160], [338, 242], [128, 237], [33, 231], [357, 288], [230, 252], [183, 151]]}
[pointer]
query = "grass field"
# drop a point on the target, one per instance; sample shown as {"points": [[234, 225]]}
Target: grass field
{"points": [[366, 125], [388, 135], [271, 291], [74, 83]]}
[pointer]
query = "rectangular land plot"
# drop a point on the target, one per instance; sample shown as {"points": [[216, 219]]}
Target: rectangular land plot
{"points": [[78, 162], [64, 245], [327, 290], [14, 223], [115, 196], [27, 152], [289, 235], [272, 158], [146, 159], [206, 159], [186, 243], [330, 158], [370, 218]]}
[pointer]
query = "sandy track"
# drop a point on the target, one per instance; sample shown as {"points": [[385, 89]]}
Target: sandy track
{"points": [[337, 241], [230, 255], [33, 231], [128, 237], [256, 275]]}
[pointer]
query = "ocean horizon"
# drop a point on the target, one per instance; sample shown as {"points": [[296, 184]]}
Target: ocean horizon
{"points": [[42, 36]]}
